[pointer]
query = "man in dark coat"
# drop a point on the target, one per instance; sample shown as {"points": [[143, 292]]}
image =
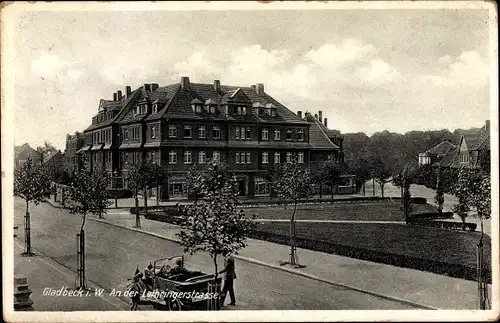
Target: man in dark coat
{"points": [[229, 277]]}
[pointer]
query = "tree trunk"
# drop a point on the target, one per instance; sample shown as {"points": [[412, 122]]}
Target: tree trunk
{"points": [[373, 186], [137, 219], [292, 236], [145, 193], [27, 231], [157, 195], [216, 275]]}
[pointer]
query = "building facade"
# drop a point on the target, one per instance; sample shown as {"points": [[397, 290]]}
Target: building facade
{"points": [[22, 153], [73, 144], [184, 124]]}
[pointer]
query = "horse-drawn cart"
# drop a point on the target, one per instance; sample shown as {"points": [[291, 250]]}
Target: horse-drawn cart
{"points": [[184, 289]]}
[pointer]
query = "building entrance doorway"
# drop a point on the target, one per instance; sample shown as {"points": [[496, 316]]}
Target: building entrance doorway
{"points": [[241, 188]]}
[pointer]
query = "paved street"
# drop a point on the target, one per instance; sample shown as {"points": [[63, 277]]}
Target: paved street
{"points": [[113, 254]]}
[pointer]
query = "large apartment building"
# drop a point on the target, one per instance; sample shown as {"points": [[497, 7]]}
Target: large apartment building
{"points": [[183, 124], [73, 144]]}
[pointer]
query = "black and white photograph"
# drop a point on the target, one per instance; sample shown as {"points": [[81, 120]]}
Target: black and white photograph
{"points": [[250, 161]]}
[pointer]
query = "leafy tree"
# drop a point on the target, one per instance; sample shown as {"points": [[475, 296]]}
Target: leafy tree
{"points": [[480, 195], [406, 178], [138, 179], [361, 169], [87, 195], [32, 185], [484, 161], [293, 183], [462, 192], [380, 173], [212, 223], [159, 176], [44, 151], [439, 197], [330, 174]]}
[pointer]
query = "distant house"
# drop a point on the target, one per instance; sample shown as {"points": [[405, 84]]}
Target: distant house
{"points": [[472, 147], [22, 153], [441, 154]]}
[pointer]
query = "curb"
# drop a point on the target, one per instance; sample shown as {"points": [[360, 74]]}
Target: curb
{"points": [[288, 270]]}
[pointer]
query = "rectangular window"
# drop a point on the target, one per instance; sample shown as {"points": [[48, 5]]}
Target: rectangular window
{"points": [[300, 158], [288, 134], [238, 110], [242, 132], [216, 132], [237, 133], [212, 109], [248, 158], [202, 132], [198, 108], [276, 158], [237, 158], [265, 134], [248, 133], [172, 157], [155, 108], [153, 132], [202, 157], [187, 131], [172, 131], [126, 134], [265, 158], [288, 157], [188, 157], [277, 134], [300, 134], [244, 111], [273, 112], [216, 155]]}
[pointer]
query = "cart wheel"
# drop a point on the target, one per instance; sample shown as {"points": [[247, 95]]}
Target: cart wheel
{"points": [[173, 304]]}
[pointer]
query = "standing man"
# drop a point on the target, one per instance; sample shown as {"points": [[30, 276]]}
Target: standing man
{"points": [[229, 277]]}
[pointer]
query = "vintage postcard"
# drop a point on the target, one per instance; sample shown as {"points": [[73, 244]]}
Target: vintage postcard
{"points": [[250, 161]]}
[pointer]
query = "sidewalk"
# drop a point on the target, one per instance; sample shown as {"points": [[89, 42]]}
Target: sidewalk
{"points": [[416, 287]]}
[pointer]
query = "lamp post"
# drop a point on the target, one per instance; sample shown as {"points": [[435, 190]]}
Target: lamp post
{"points": [[115, 173]]}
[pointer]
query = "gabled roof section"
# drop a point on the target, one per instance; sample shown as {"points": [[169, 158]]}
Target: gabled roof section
{"points": [[179, 105], [51, 155], [482, 142], [441, 148], [318, 137], [167, 95], [117, 105]]}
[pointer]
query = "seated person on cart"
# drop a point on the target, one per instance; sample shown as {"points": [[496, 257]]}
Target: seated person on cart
{"points": [[178, 269], [148, 275]]}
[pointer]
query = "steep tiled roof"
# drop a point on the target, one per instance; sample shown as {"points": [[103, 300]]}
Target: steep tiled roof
{"points": [[116, 105], [318, 137], [180, 107], [448, 158], [441, 148], [482, 141], [51, 155]]}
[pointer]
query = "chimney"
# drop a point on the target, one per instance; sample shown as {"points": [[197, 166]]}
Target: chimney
{"points": [[154, 86], [299, 113], [326, 122], [487, 126], [184, 82], [320, 116], [128, 91], [316, 116], [217, 86], [115, 96], [260, 88], [147, 87], [119, 95]]}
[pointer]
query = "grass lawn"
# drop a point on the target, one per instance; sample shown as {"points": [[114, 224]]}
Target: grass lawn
{"points": [[424, 248], [375, 211]]}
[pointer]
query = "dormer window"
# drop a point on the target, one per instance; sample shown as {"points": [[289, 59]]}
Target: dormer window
{"points": [[212, 109], [196, 105], [300, 135], [288, 134], [238, 111], [271, 110]]}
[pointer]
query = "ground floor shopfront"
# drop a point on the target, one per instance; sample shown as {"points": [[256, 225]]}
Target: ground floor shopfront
{"points": [[248, 185]]}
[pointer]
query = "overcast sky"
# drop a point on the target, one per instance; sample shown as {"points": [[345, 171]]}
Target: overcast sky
{"points": [[367, 70]]}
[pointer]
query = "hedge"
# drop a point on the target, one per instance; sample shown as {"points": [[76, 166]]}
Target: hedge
{"points": [[434, 266], [119, 193], [432, 215], [445, 224]]}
